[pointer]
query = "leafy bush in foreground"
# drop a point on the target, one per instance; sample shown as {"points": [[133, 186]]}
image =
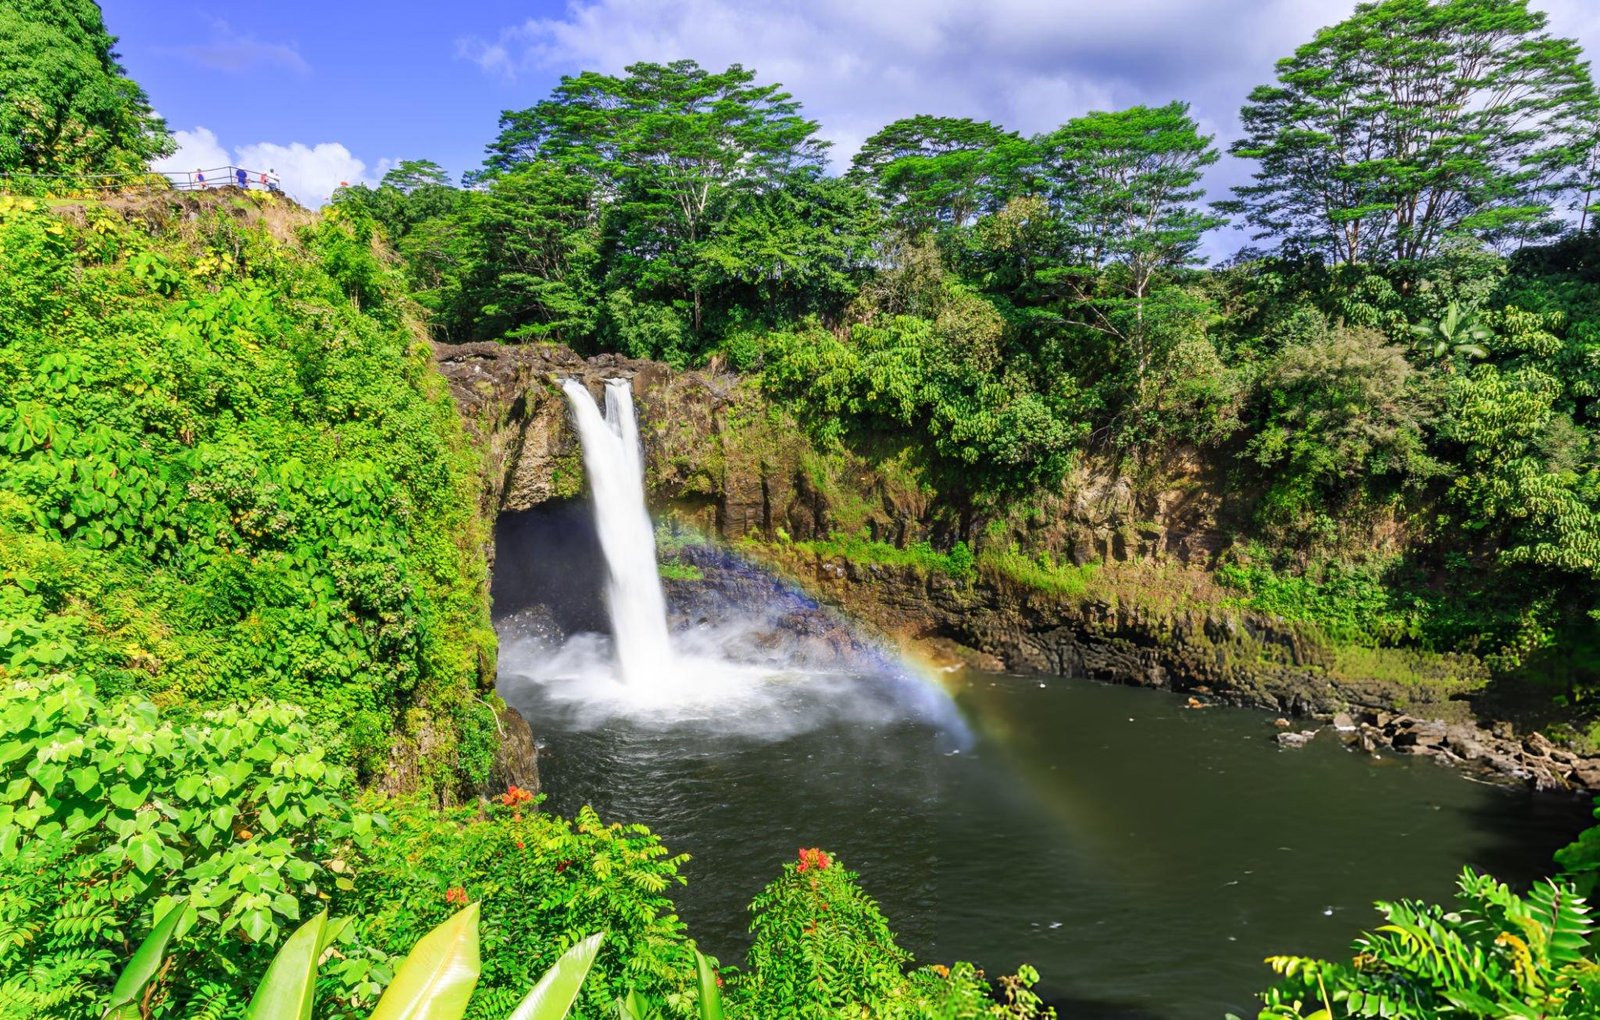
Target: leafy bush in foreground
{"points": [[823, 950], [1496, 954], [112, 813], [543, 883]]}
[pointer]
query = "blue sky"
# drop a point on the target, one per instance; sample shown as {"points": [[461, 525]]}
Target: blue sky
{"points": [[340, 89], [368, 82]]}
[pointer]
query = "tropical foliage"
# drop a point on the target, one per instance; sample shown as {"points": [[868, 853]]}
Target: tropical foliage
{"points": [[66, 107], [227, 472], [1496, 954], [241, 570]]}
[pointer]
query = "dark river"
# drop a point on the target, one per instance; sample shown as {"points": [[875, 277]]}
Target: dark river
{"points": [[1143, 856]]}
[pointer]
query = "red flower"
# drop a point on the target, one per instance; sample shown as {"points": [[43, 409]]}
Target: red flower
{"points": [[520, 844], [814, 858], [455, 894], [514, 798]]}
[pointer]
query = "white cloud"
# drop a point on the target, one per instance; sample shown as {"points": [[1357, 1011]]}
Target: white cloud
{"points": [[1027, 64], [309, 173], [197, 150]]}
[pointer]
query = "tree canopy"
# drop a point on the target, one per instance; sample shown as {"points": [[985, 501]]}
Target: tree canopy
{"points": [[932, 171], [1415, 121], [667, 146], [66, 106]]}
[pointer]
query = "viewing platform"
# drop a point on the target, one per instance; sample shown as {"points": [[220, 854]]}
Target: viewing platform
{"points": [[200, 179]]}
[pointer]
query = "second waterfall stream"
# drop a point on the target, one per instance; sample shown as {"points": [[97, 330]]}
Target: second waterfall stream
{"points": [[615, 465]]}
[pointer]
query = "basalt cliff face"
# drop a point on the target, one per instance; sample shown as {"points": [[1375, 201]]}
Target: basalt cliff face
{"points": [[716, 454], [728, 462], [724, 459]]}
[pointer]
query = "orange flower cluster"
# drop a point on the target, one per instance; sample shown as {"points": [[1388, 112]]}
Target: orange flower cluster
{"points": [[455, 894], [514, 796], [813, 858]]}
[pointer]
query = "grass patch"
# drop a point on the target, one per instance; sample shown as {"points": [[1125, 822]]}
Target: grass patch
{"points": [[1348, 604], [1041, 572], [958, 562], [680, 572]]}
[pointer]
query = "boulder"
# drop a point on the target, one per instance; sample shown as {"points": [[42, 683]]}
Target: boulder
{"points": [[1587, 774], [516, 760]]}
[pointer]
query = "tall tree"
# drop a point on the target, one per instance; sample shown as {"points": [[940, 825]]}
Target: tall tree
{"points": [[1123, 187], [532, 254], [937, 171], [666, 146], [66, 106], [1414, 121]]}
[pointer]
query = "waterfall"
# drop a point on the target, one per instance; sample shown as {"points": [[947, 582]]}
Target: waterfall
{"points": [[615, 465]]}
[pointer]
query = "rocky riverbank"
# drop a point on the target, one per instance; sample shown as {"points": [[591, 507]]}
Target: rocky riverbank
{"points": [[1220, 656], [1495, 752]]}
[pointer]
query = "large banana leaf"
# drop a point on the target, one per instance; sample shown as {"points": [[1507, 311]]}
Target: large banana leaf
{"points": [[710, 993], [437, 977], [144, 965], [553, 995], [289, 988]]}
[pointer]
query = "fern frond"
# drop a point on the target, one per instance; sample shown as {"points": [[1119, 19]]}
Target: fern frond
{"points": [[1564, 917]]}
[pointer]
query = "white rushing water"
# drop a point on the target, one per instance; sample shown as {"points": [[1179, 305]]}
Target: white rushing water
{"points": [[615, 466], [733, 676]]}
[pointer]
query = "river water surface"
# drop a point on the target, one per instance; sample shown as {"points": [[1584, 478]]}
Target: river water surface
{"points": [[1143, 856]]}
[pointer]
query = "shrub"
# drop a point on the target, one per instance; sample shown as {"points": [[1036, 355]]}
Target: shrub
{"points": [[823, 950], [1496, 954], [112, 813], [543, 883], [228, 472]]}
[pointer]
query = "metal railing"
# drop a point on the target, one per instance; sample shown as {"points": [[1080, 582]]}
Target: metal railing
{"points": [[229, 176], [222, 177]]}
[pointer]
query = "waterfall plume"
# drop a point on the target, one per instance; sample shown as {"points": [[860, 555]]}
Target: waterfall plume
{"points": [[612, 459]]}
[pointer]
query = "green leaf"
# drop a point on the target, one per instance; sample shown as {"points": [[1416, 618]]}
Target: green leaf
{"points": [[710, 994], [290, 985], [438, 975], [557, 989], [633, 1008], [144, 850], [144, 965], [85, 778], [257, 924], [127, 797]]}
